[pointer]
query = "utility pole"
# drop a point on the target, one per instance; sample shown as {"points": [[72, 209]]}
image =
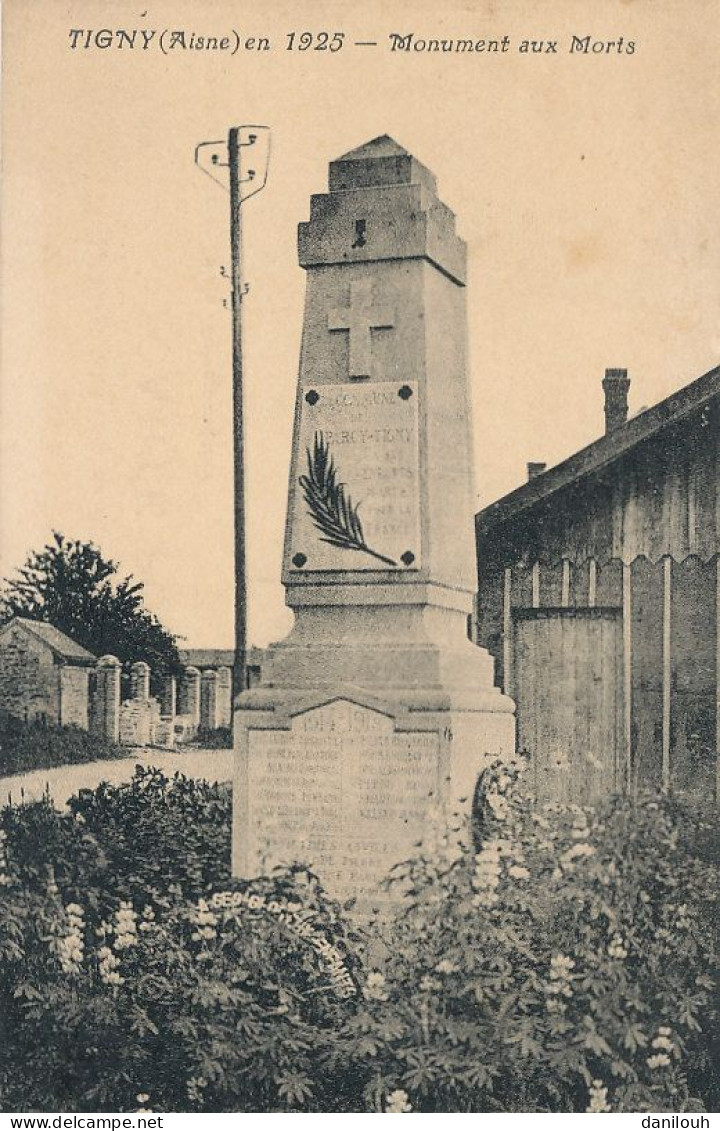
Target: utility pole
{"points": [[240, 166]]}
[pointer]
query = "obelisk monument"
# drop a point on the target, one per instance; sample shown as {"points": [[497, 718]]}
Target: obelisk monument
{"points": [[377, 710]]}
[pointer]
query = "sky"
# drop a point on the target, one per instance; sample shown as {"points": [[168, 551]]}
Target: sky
{"points": [[586, 187]]}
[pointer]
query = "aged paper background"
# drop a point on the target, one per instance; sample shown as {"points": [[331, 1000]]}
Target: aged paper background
{"points": [[585, 185]]}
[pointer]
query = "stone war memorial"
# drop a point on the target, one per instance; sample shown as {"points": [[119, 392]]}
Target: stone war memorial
{"points": [[376, 714]]}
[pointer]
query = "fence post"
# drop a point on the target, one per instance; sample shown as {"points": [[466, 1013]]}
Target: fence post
{"points": [[209, 700], [106, 709], [140, 680], [190, 694]]}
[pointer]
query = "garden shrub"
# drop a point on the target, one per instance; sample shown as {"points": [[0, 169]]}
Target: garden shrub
{"points": [[119, 978], [171, 1007], [36, 745], [569, 962], [135, 841], [219, 738], [565, 961]]}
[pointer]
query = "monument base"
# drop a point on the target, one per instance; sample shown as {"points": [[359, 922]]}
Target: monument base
{"points": [[348, 778]]}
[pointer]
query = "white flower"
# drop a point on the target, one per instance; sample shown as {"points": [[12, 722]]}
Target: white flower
{"points": [[108, 966], [662, 1040], [195, 1086], [486, 876], [576, 852], [616, 949], [498, 803], [429, 985], [561, 962], [660, 1060], [518, 872], [125, 926], [397, 1101], [375, 986], [4, 877], [598, 1097], [559, 985], [206, 922], [71, 946]]}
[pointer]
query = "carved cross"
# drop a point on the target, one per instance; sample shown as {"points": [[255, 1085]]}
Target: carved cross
{"points": [[359, 319]]}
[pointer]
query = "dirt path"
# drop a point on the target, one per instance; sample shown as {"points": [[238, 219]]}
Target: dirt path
{"points": [[64, 781]]}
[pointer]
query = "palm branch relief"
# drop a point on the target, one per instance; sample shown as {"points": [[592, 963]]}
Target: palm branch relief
{"points": [[330, 508]]}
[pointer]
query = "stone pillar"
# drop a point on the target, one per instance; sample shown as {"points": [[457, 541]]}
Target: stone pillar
{"points": [[209, 700], [168, 697], [190, 695], [224, 697], [106, 707], [377, 699], [140, 680]]}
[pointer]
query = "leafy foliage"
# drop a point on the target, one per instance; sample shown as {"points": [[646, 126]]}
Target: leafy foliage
{"points": [[330, 508], [568, 962], [565, 961], [119, 980], [214, 739], [71, 585], [37, 745], [139, 840]]}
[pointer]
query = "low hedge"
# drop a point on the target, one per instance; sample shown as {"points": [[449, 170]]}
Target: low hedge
{"points": [[220, 739], [40, 746]]}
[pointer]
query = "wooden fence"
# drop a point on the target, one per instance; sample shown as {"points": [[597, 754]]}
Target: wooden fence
{"points": [[621, 659]]}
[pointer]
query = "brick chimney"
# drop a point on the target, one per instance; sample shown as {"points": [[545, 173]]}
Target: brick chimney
{"points": [[616, 384], [535, 469]]}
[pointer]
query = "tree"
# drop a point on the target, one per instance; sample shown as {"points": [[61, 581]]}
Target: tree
{"points": [[70, 585]]}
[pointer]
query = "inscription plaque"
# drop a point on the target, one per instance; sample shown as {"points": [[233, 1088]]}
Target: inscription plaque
{"points": [[341, 791], [356, 502]]}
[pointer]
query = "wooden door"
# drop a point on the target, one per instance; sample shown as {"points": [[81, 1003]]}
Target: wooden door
{"points": [[567, 683]]}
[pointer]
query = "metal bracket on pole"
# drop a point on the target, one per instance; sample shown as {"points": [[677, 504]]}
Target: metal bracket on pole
{"points": [[253, 145]]}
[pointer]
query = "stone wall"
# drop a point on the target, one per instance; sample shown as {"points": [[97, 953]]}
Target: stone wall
{"points": [[203, 699], [139, 720], [29, 679], [36, 684], [74, 693]]}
